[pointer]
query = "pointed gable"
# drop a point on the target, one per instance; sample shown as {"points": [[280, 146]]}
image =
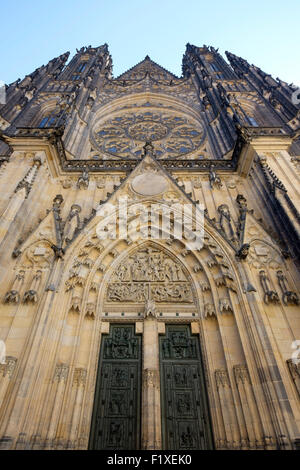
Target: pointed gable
{"points": [[147, 66]]}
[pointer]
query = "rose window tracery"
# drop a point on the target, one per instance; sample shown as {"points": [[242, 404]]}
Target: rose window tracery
{"points": [[124, 136]]}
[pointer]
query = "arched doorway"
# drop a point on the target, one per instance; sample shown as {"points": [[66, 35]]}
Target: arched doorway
{"points": [[141, 368]]}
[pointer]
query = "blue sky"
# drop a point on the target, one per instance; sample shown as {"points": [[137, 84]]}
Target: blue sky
{"points": [[264, 32]]}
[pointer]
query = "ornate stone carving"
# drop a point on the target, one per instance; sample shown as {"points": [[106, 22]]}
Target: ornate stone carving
{"points": [[205, 286], [123, 135], [171, 292], [225, 221], [225, 305], [150, 309], [79, 377], [214, 179], [66, 183], [243, 251], [13, 295], [209, 310], [74, 280], [8, 367], [222, 378], [75, 304], [151, 378], [83, 180], [31, 295], [149, 273], [39, 255], [196, 181], [288, 297], [262, 255], [90, 310], [241, 373], [269, 295], [72, 224], [295, 373], [28, 180], [61, 372]]}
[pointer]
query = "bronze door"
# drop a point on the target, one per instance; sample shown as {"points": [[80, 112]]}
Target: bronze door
{"points": [[116, 415], [185, 413]]}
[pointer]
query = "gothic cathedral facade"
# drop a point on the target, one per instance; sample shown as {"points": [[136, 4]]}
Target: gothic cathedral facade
{"points": [[127, 340]]}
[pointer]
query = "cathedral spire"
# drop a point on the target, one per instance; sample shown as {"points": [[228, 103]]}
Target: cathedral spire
{"points": [[276, 92]]}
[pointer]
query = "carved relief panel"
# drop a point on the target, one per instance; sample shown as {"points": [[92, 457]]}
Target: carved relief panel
{"points": [[149, 273]]}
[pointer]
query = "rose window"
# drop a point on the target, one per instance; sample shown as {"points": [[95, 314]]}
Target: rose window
{"points": [[124, 136]]}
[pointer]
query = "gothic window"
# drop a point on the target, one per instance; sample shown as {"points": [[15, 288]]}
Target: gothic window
{"points": [[252, 121], [81, 67], [214, 67], [75, 77], [50, 120], [124, 135]]}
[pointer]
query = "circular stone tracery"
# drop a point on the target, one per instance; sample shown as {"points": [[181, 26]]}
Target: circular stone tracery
{"points": [[148, 130], [124, 135]]}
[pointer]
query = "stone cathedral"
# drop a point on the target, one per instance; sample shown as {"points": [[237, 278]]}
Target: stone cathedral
{"points": [[134, 342]]}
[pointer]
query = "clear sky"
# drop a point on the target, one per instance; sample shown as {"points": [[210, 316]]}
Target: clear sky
{"points": [[264, 32]]}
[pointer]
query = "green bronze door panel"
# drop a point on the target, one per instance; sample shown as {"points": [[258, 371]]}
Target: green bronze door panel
{"points": [[185, 413], [116, 415]]}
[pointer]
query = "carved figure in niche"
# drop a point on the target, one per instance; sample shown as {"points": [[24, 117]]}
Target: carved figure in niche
{"points": [[116, 403], [119, 377], [183, 404], [225, 221], [115, 433], [186, 438], [180, 377], [122, 272]]}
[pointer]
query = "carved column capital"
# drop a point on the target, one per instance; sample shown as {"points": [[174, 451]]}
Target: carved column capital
{"points": [[79, 377], [222, 378], [8, 367], [61, 372], [241, 374]]}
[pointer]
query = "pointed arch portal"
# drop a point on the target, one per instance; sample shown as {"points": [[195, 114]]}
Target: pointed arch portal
{"points": [[133, 392]]}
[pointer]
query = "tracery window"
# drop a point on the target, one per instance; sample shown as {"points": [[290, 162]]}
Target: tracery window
{"points": [[82, 67], [125, 135]]}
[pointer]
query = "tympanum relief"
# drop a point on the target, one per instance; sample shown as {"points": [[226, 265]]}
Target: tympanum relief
{"points": [[149, 273]]}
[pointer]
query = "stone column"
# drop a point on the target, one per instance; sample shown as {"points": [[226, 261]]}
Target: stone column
{"points": [[151, 414]]}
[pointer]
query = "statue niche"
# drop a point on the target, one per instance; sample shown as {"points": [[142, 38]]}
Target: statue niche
{"points": [[147, 274]]}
